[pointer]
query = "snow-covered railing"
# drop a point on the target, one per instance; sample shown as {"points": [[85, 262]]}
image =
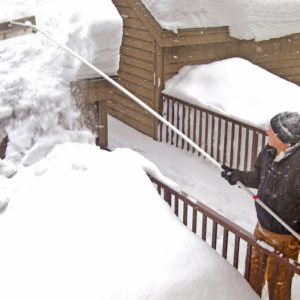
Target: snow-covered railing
{"points": [[230, 240], [228, 141]]}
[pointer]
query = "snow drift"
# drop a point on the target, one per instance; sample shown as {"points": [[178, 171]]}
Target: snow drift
{"points": [[88, 224]]}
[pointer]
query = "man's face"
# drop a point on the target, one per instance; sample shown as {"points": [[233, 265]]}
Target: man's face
{"points": [[274, 141]]}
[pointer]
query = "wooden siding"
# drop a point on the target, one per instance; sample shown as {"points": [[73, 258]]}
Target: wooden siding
{"points": [[177, 57], [279, 56], [136, 72], [87, 94]]}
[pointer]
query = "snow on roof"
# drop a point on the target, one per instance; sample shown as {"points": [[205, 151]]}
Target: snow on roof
{"points": [[83, 27], [88, 224], [237, 88], [255, 19]]}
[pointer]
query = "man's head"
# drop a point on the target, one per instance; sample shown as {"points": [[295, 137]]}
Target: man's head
{"points": [[284, 130]]}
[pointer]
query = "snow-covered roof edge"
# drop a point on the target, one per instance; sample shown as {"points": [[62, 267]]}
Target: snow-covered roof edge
{"points": [[257, 19]]}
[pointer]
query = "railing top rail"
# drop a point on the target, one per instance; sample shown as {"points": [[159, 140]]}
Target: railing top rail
{"points": [[232, 227], [226, 118]]}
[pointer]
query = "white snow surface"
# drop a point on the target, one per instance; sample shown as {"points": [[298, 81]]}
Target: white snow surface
{"points": [[201, 180], [84, 223], [256, 19], [237, 88], [81, 223]]}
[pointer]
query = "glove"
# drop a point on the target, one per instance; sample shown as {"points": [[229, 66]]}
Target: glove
{"points": [[231, 175]]}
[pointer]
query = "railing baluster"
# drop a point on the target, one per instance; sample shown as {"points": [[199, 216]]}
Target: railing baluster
{"points": [[254, 148], [168, 119], [219, 140], [225, 243], [214, 235], [194, 127], [183, 126], [246, 150], [236, 251], [189, 127], [232, 144], [212, 136], [194, 226], [176, 205], [185, 213], [167, 197], [206, 133], [177, 124], [225, 142], [204, 227], [200, 131], [173, 119], [239, 142], [248, 261]]}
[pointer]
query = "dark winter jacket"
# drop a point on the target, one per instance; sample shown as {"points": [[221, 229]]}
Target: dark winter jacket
{"points": [[278, 182]]}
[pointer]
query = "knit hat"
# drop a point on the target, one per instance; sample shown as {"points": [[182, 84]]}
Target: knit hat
{"points": [[286, 126]]}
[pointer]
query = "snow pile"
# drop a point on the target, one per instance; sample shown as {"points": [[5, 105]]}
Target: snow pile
{"points": [[237, 88], [258, 19], [36, 108], [84, 223]]}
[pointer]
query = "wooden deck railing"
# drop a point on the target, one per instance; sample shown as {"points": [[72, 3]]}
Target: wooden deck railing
{"points": [[228, 141], [233, 242]]}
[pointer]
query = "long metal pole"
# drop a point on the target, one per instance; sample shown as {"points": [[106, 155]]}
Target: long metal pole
{"points": [[160, 118]]}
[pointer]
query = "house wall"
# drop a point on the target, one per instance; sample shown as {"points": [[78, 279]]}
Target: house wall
{"points": [[149, 56], [279, 56], [136, 73]]}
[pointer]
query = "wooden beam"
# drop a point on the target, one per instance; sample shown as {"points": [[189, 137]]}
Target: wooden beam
{"points": [[159, 82], [102, 124], [7, 31], [93, 90]]}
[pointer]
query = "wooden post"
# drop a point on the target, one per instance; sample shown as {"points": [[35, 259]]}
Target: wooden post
{"points": [[158, 83], [102, 123], [95, 91]]}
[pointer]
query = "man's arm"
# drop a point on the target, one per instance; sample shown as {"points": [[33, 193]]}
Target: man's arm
{"points": [[248, 178]]}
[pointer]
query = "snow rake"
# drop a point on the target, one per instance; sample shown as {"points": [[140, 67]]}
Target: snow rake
{"points": [[8, 31], [157, 116]]}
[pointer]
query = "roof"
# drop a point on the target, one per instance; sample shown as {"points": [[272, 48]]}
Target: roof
{"points": [[256, 19]]}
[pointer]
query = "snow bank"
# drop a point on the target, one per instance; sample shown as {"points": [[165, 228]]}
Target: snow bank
{"points": [[237, 88], [257, 19], [88, 224], [37, 109]]}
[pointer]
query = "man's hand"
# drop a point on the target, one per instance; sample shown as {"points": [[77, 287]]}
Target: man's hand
{"points": [[231, 175]]}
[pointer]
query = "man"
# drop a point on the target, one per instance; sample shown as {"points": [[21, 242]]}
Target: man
{"points": [[276, 175]]}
